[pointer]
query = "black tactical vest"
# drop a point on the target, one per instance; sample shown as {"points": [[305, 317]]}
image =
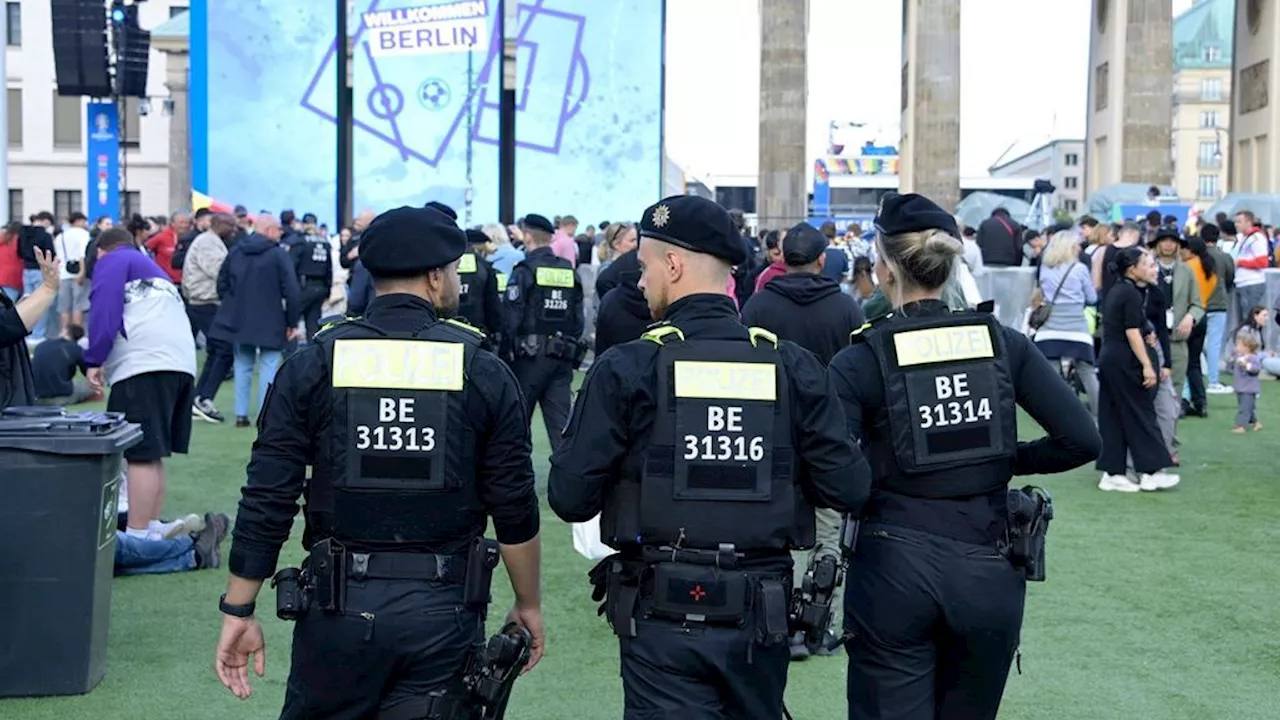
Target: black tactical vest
{"points": [[552, 302], [400, 454], [718, 465], [473, 276], [315, 259], [950, 402]]}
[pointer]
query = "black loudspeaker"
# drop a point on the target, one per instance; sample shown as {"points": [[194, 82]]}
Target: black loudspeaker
{"points": [[80, 48], [132, 62]]}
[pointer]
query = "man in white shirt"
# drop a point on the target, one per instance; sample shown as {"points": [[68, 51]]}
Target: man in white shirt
{"points": [[1252, 257], [73, 292]]}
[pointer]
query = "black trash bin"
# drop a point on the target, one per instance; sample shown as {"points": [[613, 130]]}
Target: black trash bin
{"points": [[60, 479]]}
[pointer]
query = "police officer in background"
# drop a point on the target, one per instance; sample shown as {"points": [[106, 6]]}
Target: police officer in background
{"points": [[478, 301], [544, 326], [313, 259], [415, 438], [702, 444], [935, 591]]}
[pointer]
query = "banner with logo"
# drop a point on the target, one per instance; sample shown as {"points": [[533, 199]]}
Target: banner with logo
{"points": [[103, 161]]}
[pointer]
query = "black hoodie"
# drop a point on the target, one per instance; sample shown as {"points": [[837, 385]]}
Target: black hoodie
{"points": [[809, 310], [623, 314]]}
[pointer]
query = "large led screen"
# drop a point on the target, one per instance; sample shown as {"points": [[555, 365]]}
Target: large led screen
{"points": [[426, 81], [263, 128]]}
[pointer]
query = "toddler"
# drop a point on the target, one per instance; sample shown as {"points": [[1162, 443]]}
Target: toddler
{"points": [[1247, 383]]}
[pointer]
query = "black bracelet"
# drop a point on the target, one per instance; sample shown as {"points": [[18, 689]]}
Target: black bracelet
{"points": [[240, 611]]}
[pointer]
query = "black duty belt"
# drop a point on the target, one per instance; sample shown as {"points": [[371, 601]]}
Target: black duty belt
{"points": [[406, 566]]}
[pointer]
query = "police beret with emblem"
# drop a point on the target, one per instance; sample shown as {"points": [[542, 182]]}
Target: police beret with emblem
{"points": [[437, 205], [802, 245], [407, 241], [697, 224], [537, 222], [900, 214], [1168, 232], [475, 237]]}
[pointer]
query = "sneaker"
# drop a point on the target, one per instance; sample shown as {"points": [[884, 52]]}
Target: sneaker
{"points": [[185, 525], [1257, 426], [1218, 389], [1118, 483], [204, 409], [799, 650], [209, 540], [1151, 482], [242, 422]]}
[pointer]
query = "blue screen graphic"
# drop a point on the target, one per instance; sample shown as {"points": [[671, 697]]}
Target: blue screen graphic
{"points": [[426, 81], [270, 143]]}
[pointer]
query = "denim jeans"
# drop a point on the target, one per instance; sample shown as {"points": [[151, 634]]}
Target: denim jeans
{"points": [[246, 356], [139, 556], [31, 280], [1215, 329]]}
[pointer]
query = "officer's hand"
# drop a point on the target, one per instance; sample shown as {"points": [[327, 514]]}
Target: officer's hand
{"points": [[241, 637], [530, 619]]}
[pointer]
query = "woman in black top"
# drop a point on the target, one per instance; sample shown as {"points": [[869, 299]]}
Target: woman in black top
{"points": [[1128, 376]]}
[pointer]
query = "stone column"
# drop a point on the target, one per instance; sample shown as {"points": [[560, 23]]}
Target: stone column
{"points": [[176, 80], [781, 195], [1255, 123], [930, 151]]}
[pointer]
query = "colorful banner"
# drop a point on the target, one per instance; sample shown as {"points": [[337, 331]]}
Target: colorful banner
{"points": [[859, 165], [103, 161]]}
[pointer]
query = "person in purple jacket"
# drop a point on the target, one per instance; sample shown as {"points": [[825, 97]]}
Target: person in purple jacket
{"points": [[140, 344]]}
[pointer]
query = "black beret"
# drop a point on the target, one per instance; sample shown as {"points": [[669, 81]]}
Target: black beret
{"points": [[436, 205], [407, 242], [537, 222], [1168, 232], [803, 244], [697, 224], [475, 237], [900, 214]]}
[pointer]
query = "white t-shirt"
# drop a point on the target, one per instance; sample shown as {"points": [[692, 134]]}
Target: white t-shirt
{"points": [[70, 247], [1250, 247]]}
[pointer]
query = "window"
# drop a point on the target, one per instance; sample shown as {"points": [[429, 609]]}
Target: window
{"points": [[1069, 206], [66, 202], [130, 203], [176, 10], [1071, 182], [13, 22], [15, 205], [1071, 160], [1208, 186], [1211, 90], [1212, 53], [15, 117], [66, 122], [1210, 154], [130, 123], [1209, 118]]}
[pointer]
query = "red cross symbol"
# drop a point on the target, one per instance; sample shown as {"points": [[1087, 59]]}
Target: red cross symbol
{"points": [[697, 593]]}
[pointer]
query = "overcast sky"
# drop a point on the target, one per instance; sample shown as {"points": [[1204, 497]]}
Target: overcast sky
{"points": [[1024, 66]]}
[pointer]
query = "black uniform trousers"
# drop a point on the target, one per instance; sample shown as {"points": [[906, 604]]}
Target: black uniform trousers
{"points": [[936, 623], [220, 357], [1195, 373], [698, 672], [1127, 417], [396, 641], [314, 293], [545, 381]]}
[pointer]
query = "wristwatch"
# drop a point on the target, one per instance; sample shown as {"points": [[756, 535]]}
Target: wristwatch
{"points": [[240, 611]]}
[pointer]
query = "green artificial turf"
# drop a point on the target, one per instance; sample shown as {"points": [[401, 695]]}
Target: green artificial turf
{"points": [[1158, 606]]}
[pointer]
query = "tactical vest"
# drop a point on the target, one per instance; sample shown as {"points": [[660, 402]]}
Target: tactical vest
{"points": [[472, 276], [552, 303], [399, 459], [315, 260], [718, 465], [949, 400]]}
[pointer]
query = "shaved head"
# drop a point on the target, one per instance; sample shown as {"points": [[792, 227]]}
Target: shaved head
{"points": [[670, 272]]}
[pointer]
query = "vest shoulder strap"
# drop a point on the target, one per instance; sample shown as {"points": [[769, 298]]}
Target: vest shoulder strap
{"points": [[330, 330], [756, 334], [660, 333], [462, 324]]}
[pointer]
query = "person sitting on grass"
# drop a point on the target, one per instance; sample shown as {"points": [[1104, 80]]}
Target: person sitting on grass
{"points": [[54, 365], [193, 543]]}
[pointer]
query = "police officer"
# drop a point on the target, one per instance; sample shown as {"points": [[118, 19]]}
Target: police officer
{"points": [[935, 590], [478, 301], [544, 326], [313, 260], [702, 444], [414, 438]]}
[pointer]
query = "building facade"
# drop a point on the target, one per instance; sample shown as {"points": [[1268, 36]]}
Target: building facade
{"points": [[47, 132], [1202, 56], [1061, 162]]}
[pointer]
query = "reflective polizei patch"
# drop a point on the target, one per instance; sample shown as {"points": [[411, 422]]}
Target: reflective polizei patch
{"points": [[397, 365], [467, 263], [554, 277], [726, 380], [943, 344]]}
